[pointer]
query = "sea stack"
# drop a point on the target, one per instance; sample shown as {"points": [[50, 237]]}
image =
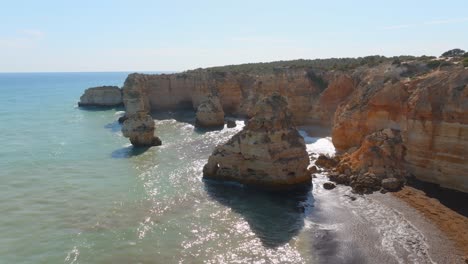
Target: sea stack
{"points": [[102, 96], [139, 128], [210, 113], [268, 152]]}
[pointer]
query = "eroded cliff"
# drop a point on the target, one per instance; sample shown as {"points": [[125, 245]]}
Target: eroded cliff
{"points": [[428, 107]]}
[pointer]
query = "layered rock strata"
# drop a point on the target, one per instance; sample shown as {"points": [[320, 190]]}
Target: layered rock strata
{"points": [[139, 128], [103, 96], [268, 152], [428, 106], [431, 112], [210, 113]]}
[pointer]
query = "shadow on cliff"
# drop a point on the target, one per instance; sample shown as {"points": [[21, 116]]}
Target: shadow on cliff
{"points": [[274, 217], [450, 198], [128, 152]]}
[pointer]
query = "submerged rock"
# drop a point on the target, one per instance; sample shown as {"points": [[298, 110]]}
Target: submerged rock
{"points": [[231, 123], [329, 186], [326, 162], [268, 152], [210, 113], [101, 96], [139, 128]]}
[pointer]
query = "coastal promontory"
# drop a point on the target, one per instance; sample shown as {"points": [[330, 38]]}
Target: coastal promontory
{"points": [[101, 96]]}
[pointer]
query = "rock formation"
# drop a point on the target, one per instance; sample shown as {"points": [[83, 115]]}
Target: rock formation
{"points": [[210, 113], [139, 128], [428, 106], [431, 112], [378, 162], [268, 152], [105, 96]]}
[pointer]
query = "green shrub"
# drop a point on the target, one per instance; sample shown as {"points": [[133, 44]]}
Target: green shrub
{"points": [[453, 53], [465, 62], [434, 64]]}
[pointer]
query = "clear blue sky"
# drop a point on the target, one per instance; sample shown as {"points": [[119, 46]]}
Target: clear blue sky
{"points": [[176, 35]]}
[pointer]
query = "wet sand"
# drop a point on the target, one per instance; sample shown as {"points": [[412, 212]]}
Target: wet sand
{"points": [[453, 224], [376, 228]]}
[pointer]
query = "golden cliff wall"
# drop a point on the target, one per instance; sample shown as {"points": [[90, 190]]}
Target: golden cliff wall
{"points": [[309, 101], [431, 111], [429, 107]]}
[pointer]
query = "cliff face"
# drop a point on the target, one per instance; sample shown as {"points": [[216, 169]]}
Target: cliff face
{"points": [[428, 107], [238, 93], [430, 110]]}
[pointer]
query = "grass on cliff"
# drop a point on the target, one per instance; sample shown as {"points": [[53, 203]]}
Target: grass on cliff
{"points": [[317, 64]]}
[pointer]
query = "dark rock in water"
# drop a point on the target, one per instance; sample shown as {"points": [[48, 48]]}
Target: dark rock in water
{"points": [[122, 119], [102, 96], [339, 178], [329, 186], [365, 183], [313, 169], [326, 162], [231, 123], [392, 184]]}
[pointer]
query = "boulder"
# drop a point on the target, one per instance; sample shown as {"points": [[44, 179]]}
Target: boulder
{"points": [[365, 183], [329, 186], [326, 162], [392, 184], [210, 113], [139, 128], [104, 96], [313, 169], [268, 152], [231, 123]]}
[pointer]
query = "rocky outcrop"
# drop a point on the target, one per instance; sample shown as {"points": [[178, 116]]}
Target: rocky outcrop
{"points": [[210, 113], [430, 110], [428, 106], [378, 162], [139, 128], [268, 152], [104, 96]]}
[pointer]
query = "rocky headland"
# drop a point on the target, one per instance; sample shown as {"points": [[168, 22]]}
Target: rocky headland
{"points": [[390, 117], [101, 96], [268, 152]]}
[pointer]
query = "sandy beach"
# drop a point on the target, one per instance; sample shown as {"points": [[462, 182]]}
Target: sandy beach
{"points": [[451, 223]]}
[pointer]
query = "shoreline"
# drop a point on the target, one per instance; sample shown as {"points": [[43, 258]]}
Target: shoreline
{"points": [[448, 221]]}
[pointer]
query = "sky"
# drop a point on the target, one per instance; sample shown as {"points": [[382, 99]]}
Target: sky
{"points": [[145, 35]]}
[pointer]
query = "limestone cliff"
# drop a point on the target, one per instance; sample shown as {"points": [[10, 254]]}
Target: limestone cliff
{"points": [[430, 110], [237, 92], [268, 152], [106, 96], [427, 106]]}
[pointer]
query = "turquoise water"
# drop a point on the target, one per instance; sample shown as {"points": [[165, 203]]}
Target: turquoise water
{"points": [[74, 191]]}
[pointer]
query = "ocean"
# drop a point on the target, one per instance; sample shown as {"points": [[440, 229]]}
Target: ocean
{"points": [[73, 190]]}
